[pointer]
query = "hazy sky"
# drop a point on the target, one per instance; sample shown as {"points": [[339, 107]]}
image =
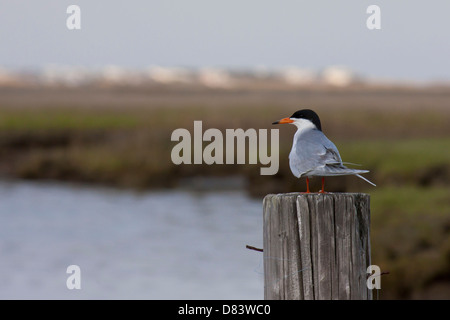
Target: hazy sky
{"points": [[413, 43]]}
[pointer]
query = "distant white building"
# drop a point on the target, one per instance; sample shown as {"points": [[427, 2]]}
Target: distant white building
{"points": [[338, 76], [169, 75], [297, 76], [65, 75], [215, 78], [113, 75]]}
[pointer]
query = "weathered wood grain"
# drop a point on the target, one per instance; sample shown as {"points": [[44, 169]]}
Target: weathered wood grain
{"points": [[316, 246]]}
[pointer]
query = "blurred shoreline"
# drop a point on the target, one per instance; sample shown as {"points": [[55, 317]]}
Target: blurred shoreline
{"points": [[121, 136]]}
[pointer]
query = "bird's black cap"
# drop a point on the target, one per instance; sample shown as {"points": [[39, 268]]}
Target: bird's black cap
{"points": [[309, 115]]}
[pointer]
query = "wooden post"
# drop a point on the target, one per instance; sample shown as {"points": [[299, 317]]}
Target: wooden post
{"points": [[316, 246]]}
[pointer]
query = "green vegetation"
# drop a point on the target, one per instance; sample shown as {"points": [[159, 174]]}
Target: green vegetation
{"points": [[410, 239], [400, 161]]}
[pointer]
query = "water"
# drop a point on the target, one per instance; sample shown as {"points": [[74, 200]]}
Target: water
{"points": [[153, 245]]}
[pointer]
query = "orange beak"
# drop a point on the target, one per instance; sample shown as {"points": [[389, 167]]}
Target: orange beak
{"points": [[284, 120]]}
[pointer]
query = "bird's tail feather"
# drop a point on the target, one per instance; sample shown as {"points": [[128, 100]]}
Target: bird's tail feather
{"points": [[353, 164], [359, 176], [340, 170]]}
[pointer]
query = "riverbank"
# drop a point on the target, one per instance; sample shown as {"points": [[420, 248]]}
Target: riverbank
{"points": [[122, 137]]}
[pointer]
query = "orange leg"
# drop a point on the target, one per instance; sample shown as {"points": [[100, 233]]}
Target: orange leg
{"points": [[307, 185], [323, 186]]}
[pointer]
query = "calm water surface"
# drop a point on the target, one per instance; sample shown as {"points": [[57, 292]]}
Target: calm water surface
{"points": [[153, 245]]}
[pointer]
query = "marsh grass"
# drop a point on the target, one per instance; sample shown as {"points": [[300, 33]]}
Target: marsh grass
{"points": [[410, 231]]}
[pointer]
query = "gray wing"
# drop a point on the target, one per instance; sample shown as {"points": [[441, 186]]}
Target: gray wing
{"points": [[312, 150]]}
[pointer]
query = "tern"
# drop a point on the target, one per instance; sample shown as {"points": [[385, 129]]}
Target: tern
{"points": [[312, 153]]}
